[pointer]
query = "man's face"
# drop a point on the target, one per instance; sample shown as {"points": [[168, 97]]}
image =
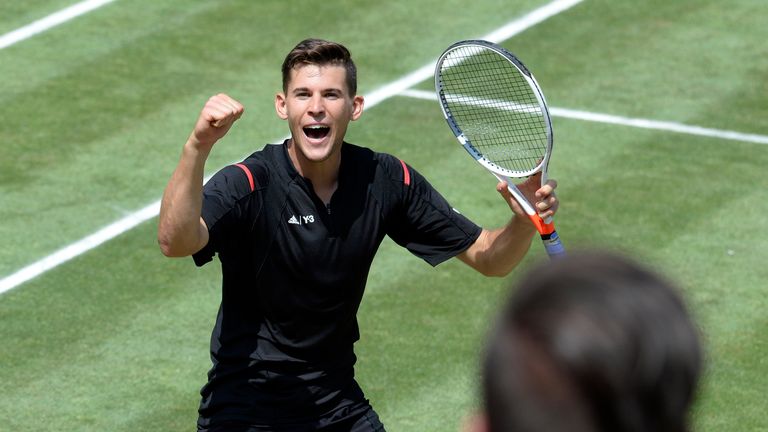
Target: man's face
{"points": [[318, 107]]}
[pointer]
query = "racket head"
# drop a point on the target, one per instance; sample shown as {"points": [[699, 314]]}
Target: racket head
{"points": [[495, 107]]}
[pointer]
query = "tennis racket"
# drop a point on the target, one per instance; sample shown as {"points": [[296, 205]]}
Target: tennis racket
{"points": [[495, 108]]}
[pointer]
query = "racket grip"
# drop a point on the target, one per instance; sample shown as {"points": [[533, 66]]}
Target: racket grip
{"points": [[546, 229], [553, 245]]}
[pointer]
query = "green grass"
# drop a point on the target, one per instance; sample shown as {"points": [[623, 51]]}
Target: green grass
{"points": [[95, 112], [18, 14]]}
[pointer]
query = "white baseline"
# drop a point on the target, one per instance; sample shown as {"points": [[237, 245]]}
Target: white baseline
{"points": [[371, 99], [624, 121], [50, 21]]}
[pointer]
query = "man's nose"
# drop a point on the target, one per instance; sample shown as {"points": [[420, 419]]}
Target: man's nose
{"points": [[316, 106]]}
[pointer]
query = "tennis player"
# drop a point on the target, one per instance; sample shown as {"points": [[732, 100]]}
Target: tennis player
{"points": [[296, 226]]}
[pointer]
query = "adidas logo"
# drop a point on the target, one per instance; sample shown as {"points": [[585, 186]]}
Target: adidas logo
{"points": [[301, 219]]}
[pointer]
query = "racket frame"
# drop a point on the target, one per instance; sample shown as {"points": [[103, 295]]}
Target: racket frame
{"points": [[545, 227]]}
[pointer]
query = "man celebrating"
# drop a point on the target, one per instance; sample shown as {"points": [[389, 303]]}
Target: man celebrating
{"points": [[296, 227]]}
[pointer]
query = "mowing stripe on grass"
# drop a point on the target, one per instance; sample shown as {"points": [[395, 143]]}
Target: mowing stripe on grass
{"points": [[372, 99], [501, 34], [627, 121], [50, 21]]}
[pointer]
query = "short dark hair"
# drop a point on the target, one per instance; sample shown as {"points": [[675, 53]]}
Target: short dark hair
{"points": [[321, 53], [592, 342]]}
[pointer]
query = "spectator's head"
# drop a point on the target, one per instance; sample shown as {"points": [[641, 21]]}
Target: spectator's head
{"points": [[591, 342]]}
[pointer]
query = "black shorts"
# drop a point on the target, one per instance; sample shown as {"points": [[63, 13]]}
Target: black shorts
{"points": [[362, 419]]}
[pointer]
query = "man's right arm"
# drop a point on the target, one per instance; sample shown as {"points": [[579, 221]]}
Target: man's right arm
{"points": [[181, 229]]}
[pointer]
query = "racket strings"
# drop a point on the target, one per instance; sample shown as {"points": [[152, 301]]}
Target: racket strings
{"points": [[495, 107]]}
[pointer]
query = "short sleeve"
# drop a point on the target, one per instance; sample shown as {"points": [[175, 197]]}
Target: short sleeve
{"points": [[426, 224], [224, 211]]}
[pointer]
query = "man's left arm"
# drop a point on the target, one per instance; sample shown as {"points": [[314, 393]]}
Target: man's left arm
{"points": [[497, 252]]}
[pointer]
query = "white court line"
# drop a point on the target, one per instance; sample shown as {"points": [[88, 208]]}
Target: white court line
{"points": [[50, 21], [480, 102], [627, 121], [499, 35], [372, 99]]}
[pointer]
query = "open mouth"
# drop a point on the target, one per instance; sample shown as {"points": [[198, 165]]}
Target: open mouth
{"points": [[317, 131]]}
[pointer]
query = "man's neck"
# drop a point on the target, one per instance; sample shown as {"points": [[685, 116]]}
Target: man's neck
{"points": [[323, 175]]}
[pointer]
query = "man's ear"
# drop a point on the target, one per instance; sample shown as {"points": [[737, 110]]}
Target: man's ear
{"points": [[280, 106], [357, 107]]}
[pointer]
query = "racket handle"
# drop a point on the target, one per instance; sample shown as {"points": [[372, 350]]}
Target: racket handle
{"points": [[546, 229], [553, 245]]}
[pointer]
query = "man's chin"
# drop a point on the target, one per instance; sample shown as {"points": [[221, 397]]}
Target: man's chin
{"points": [[317, 152]]}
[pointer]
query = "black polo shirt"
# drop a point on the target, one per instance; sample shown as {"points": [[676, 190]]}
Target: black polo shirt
{"points": [[294, 271]]}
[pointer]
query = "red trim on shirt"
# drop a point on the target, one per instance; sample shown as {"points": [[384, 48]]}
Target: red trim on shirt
{"points": [[248, 174], [406, 174]]}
